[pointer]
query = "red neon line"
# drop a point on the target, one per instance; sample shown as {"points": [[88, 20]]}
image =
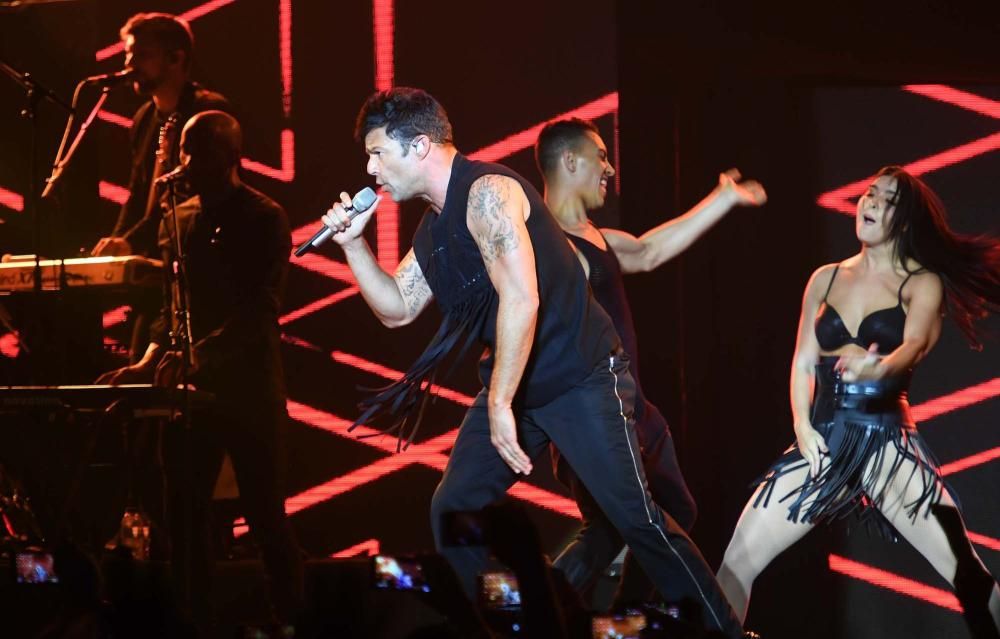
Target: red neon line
{"points": [[191, 15], [298, 341], [971, 461], [287, 171], [387, 234], [376, 439], [524, 139], [837, 198], [11, 200], [107, 52], [426, 453], [954, 401], [113, 192], [304, 232], [115, 316], [326, 267], [346, 483], [394, 375], [954, 97], [308, 309], [115, 119], [383, 24], [371, 548], [895, 583], [387, 220], [285, 51], [545, 499], [954, 156], [285, 174], [983, 540]]}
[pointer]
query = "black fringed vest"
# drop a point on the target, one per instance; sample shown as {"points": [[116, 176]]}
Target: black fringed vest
{"points": [[573, 333]]}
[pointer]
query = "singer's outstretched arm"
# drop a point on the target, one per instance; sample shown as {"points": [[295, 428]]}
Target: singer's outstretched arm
{"points": [[395, 299]]}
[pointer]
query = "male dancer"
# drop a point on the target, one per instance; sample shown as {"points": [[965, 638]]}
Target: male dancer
{"points": [[503, 273], [573, 160]]}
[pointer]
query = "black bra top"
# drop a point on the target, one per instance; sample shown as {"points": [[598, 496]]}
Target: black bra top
{"points": [[883, 327]]}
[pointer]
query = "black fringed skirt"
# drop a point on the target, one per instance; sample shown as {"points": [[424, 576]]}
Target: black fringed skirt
{"points": [[871, 437]]}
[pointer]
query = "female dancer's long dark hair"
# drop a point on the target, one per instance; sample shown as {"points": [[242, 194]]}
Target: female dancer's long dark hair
{"points": [[968, 265]]}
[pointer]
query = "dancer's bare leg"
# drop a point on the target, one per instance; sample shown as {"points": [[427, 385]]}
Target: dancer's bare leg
{"points": [[761, 535], [927, 534]]}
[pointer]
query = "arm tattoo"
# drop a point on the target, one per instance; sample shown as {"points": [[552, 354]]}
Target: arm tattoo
{"points": [[412, 285], [495, 234]]}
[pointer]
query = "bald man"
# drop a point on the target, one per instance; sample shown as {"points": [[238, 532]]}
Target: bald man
{"points": [[236, 242]]}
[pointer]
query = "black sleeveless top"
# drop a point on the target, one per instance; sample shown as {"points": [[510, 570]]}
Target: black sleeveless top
{"points": [[883, 327], [572, 333], [608, 286]]}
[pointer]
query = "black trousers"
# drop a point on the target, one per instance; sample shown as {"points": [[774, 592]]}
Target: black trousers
{"points": [[591, 424], [598, 542], [254, 437]]}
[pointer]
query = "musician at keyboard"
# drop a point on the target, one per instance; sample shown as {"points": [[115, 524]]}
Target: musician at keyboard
{"points": [[158, 50], [237, 242]]}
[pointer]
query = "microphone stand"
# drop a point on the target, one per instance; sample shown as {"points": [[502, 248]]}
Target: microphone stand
{"points": [[181, 336], [34, 92], [61, 161]]}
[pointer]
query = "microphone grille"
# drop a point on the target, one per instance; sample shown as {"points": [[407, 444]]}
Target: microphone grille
{"points": [[364, 199]]}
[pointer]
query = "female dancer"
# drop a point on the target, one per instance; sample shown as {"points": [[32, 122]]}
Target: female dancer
{"points": [[865, 324]]}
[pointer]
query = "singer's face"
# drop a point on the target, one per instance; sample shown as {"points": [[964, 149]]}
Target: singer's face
{"points": [[148, 61], [395, 172]]}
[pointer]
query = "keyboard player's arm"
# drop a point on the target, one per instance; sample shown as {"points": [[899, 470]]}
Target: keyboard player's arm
{"points": [[139, 373]]}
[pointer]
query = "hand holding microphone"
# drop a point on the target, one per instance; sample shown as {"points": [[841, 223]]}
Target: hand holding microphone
{"points": [[338, 218]]}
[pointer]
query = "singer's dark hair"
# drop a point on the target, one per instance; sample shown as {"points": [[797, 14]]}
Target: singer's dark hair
{"points": [[968, 265], [557, 137], [169, 31], [405, 113]]}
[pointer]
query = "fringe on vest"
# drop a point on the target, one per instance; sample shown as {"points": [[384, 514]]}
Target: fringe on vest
{"points": [[400, 406]]}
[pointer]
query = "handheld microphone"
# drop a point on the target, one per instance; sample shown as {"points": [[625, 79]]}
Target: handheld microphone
{"points": [[362, 202], [177, 174], [110, 79]]}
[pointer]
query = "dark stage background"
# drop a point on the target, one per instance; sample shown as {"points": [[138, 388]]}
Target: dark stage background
{"points": [[808, 106]]}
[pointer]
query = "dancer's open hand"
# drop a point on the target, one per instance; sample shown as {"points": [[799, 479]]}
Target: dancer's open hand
{"points": [[745, 193], [812, 447]]}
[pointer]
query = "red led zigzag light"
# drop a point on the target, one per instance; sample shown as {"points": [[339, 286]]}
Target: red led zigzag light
{"points": [[428, 453], [895, 583], [838, 199], [370, 547]]}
